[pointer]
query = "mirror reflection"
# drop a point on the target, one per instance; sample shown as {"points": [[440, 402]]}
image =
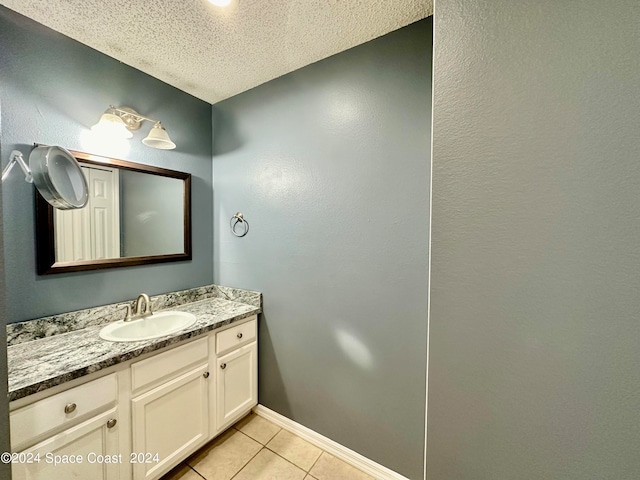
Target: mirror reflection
{"points": [[129, 214], [135, 214]]}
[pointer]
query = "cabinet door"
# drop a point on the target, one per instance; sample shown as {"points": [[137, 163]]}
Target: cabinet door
{"points": [[88, 450], [170, 421], [236, 384]]}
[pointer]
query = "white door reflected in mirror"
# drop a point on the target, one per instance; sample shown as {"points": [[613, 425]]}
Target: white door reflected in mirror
{"points": [[93, 232]]}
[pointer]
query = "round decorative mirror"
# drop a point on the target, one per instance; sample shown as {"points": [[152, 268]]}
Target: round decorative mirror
{"points": [[58, 177]]}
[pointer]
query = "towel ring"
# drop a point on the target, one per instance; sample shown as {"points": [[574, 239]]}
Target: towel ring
{"points": [[239, 219]]}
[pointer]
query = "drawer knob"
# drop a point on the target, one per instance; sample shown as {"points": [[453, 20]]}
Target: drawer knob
{"points": [[205, 374], [70, 408], [239, 335], [223, 366], [111, 422]]}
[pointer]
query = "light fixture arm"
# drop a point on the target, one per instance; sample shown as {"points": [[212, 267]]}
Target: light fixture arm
{"points": [[16, 157], [131, 118], [121, 121]]}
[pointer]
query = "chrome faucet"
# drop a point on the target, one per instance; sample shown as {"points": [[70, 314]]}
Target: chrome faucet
{"points": [[143, 297], [139, 312]]}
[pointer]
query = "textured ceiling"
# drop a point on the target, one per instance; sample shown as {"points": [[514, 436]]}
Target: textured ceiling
{"points": [[214, 53]]}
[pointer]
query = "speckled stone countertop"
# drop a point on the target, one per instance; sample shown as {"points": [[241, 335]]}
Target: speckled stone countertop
{"points": [[40, 364]]}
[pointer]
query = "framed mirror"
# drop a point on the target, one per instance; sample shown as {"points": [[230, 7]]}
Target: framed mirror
{"points": [[136, 215]]}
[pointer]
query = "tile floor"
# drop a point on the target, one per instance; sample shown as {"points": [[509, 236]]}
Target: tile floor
{"points": [[256, 449]]}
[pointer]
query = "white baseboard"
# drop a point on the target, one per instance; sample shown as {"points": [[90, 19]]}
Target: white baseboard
{"points": [[343, 453]]}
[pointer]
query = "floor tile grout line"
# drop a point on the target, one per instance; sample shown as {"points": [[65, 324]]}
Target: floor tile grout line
{"points": [[194, 470], [213, 441], [242, 467], [263, 444], [314, 463], [258, 441], [251, 438], [286, 459], [311, 444]]}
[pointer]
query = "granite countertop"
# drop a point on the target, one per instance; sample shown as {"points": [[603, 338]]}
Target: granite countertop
{"points": [[40, 364]]}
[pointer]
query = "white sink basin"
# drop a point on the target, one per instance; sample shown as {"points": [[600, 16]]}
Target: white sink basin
{"points": [[157, 325]]}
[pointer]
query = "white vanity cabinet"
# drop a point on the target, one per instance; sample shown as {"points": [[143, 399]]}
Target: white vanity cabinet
{"points": [[77, 434], [170, 419], [184, 397], [142, 417], [236, 368]]}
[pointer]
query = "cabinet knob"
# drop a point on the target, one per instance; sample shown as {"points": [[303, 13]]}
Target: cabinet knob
{"points": [[239, 335], [205, 374], [111, 422], [223, 366], [70, 408]]}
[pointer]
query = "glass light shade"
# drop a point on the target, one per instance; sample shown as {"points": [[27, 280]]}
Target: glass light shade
{"points": [[159, 138], [111, 125], [220, 3]]}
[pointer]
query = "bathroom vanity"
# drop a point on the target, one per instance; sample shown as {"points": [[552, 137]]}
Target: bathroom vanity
{"points": [[96, 409]]}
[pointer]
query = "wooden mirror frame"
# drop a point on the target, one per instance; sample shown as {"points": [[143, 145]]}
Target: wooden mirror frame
{"points": [[45, 236]]}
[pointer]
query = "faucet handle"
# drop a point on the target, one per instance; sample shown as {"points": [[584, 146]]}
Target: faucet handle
{"points": [[127, 317]]}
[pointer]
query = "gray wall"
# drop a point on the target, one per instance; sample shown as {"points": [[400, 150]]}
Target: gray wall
{"points": [[53, 90], [534, 330], [330, 165], [152, 214]]}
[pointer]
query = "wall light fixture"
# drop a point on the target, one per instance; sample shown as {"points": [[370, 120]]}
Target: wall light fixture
{"points": [[121, 121]]}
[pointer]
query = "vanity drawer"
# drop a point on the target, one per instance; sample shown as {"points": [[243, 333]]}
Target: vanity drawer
{"points": [[235, 337], [32, 422], [166, 365]]}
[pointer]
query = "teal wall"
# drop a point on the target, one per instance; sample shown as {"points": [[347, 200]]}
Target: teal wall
{"points": [[52, 89], [330, 165], [534, 353]]}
